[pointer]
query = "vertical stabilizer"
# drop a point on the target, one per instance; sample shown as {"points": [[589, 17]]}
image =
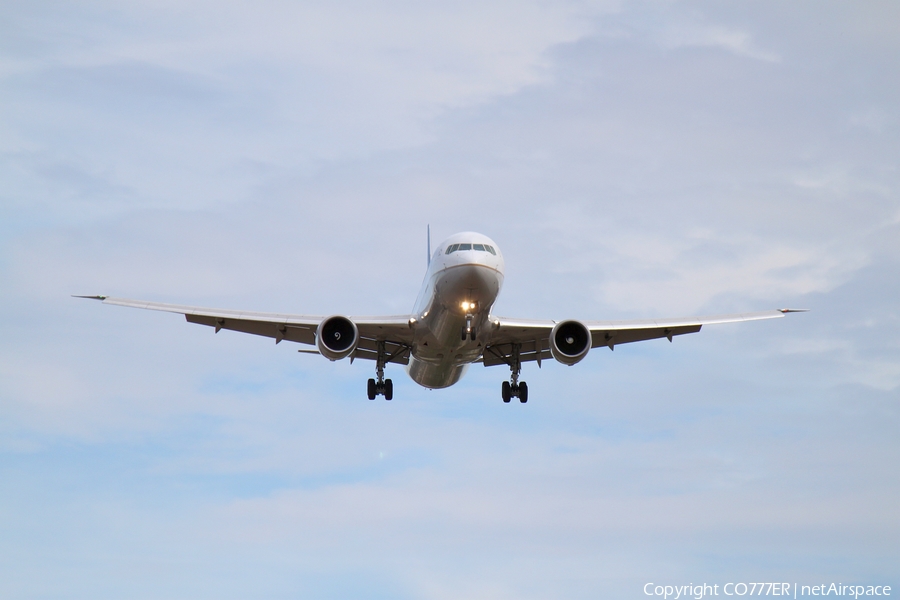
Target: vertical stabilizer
{"points": [[428, 234]]}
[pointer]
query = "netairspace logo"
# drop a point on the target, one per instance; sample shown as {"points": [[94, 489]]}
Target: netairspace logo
{"points": [[700, 591]]}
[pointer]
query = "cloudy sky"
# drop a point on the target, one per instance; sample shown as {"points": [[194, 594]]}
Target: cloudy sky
{"points": [[632, 159]]}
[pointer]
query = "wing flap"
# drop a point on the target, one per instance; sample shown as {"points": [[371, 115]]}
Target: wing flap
{"points": [[501, 354], [686, 321], [222, 313], [396, 353], [614, 337], [279, 331], [394, 329]]}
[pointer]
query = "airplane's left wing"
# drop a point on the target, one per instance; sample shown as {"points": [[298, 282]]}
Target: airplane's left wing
{"points": [[531, 338], [393, 331]]}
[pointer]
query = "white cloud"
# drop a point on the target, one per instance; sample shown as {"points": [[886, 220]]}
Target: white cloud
{"points": [[406, 60], [689, 273], [686, 34], [873, 119]]}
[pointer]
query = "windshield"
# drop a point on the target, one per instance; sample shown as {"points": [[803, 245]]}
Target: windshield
{"points": [[472, 247]]}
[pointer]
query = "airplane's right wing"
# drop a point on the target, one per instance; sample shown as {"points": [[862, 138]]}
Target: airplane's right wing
{"points": [[392, 331], [531, 338]]}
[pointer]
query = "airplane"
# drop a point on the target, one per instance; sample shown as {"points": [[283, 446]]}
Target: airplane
{"points": [[450, 327]]}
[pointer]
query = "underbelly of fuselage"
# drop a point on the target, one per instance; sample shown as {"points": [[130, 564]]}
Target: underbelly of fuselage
{"points": [[462, 298], [435, 375]]}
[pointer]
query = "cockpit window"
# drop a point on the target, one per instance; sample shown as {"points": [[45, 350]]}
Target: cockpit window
{"points": [[477, 247]]}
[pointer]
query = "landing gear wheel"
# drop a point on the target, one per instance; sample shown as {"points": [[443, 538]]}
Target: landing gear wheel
{"points": [[506, 392], [523, 392], [381, 386], [473, 334], [464, 334]]}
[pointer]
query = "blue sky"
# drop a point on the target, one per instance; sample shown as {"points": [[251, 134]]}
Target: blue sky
{"points": [[632, 159]]}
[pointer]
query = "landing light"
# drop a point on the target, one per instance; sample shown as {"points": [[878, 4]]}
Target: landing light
{"points": [[466, 305]]}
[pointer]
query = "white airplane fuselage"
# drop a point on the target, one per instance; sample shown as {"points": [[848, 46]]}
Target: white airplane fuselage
{"points": [[452, 311]]}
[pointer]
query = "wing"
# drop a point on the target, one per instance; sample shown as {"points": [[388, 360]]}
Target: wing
{"points": [[533, 337], [394, 331]]}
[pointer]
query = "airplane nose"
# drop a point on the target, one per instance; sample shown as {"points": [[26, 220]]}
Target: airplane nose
{"points": [[476, 286]]}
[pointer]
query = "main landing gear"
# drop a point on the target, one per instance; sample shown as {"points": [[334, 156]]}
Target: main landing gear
{"points": [[514, 388], [381, 386], [385, 387]]}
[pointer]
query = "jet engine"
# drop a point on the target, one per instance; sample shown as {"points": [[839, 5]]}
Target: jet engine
{"points": [[570, 342], [337, 337]]}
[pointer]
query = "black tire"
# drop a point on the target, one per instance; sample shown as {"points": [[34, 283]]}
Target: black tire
{"points": [[388, 389], [523, 392], [464, 334], [506, 391], [370, 388], [474, 334]]}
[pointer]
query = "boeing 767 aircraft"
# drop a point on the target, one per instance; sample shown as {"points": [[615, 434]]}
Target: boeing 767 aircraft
{"points": [[451, 326]]}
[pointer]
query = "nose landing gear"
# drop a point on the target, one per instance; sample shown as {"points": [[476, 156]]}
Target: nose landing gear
{"points": [[513, 388], [468, 332]]}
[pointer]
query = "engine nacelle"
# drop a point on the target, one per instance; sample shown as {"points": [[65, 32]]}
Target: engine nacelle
{"points": [[570, 342], [337, 337]]}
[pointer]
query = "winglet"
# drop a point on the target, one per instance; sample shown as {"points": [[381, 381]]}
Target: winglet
{"points": [[428, 234], [101, 298], [790, 310]]}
